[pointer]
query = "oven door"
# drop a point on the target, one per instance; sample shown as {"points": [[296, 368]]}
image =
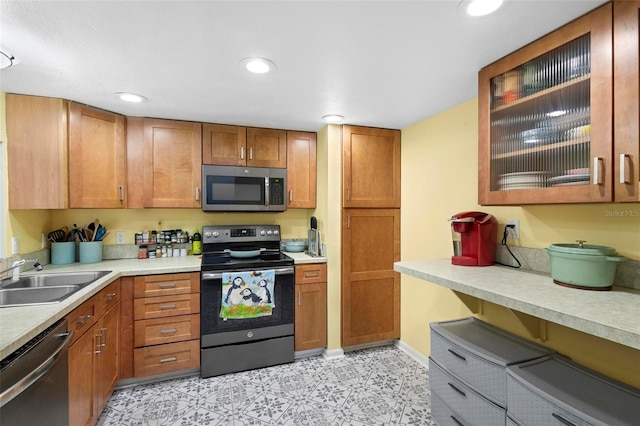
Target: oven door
{"points": [[216, 331]]}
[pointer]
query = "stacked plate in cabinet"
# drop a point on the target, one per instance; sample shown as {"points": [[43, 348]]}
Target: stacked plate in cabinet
{"points": [[522, 180], [570, 177]]}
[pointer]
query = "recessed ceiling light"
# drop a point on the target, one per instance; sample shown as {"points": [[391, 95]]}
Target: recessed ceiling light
{"points": [[6, 60], [332, 118], [130, 97], [483, 7], [258, 65]]}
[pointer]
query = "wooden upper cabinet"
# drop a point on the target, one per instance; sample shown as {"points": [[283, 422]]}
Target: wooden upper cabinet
{"points": [[225, 145], [97, 158], [301, 170], [546, 117], [626, 98], [37, 152], [371, 167], [172, 159]]}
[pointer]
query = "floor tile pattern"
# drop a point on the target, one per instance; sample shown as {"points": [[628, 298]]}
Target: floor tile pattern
{"points": [[378, 386]]}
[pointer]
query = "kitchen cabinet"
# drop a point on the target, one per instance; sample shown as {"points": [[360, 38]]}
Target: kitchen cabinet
{"points": [[164, 163], [226, 145], [371, 167], [97, 158], [370, 287], [301, 170], [311, 306], [37, 152], [166, 323], [626, 98], [94, 354], [546, 118]]}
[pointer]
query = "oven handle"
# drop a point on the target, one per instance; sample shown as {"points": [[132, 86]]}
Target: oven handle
{"points": [[218, 275]]}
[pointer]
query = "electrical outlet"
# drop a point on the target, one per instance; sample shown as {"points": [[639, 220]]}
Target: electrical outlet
{"points": [[15, 246], [43, 241], [513, 229], [120, 237]]}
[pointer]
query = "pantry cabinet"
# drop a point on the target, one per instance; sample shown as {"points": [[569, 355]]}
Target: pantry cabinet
{"points": [[311, 306], [626, 98], [370, 286], [546, 118], [371, 167], [301, 170], [97, 158], [226, 145], [94, 354]]}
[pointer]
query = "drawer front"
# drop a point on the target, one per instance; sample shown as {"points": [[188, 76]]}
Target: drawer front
{"points": [[166, 306], [468, 403], [158, 331], [166, 284], [485, 377], [108, 297], [529, 408], [166, 358], [445, 416], [311, 273], [82, 318]]}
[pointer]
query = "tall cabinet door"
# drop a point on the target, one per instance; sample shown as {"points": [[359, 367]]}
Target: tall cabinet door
{"points": [[301, 170], [626, 95], [97, 158], [371, 167], [370, 287], [173, 161]]}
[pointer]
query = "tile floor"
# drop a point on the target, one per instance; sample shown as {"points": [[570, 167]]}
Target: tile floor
{"points": [[378, 386]]}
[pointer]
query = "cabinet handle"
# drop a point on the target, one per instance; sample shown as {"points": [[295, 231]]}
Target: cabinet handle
{"points": [[311, 274], [98, 338], [348, 222], [290, 195], [111, 296], [83, 320], [121, 194], [251, 153], [104, 334], [455, 388], [624, 178], [456, 354], [197, 194], [299, 298], [165, 307], [168, 331], [165, 286], [242, 152], [458, 422], [171, 359], [348, 194], [563, 420], [597, 176]]}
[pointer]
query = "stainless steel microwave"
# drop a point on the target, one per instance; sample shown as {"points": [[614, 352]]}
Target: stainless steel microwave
{"points": [[243, 189]]}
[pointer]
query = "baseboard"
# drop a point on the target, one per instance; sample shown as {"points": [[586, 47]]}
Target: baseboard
{"points": [[424, 360], [369, 345], [308, 353], [333, 354]]}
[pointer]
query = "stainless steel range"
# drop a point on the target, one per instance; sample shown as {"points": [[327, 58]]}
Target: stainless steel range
{"points": [[246, 299]]}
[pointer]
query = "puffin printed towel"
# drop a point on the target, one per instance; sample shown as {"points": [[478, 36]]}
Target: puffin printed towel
{"points": [[247, 294]]}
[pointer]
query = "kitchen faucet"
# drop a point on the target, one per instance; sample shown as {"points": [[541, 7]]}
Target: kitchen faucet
{"points": [[16, 267]]}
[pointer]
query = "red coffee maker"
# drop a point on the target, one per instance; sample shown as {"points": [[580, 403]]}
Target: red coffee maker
{"points": [[474, 239]]}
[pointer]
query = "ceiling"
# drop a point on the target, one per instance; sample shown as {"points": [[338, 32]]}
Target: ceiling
{"points": [[378, 63]]}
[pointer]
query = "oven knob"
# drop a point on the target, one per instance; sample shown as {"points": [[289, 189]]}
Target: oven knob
{"points": [[216, 234], [276, 232], [269, 232], [207, 234], [250, 334], [262, 232]]}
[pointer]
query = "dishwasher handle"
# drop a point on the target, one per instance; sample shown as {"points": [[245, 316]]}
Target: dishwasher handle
{"points": [[33, 376]]}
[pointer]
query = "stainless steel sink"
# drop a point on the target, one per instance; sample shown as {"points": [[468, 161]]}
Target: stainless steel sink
{"points": [[44, 288]]}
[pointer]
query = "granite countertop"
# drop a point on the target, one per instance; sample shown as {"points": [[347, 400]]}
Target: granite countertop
{"points": [[612, 315], [20, 324]]}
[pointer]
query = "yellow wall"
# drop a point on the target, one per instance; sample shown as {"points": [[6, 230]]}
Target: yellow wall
{"points": [[439, 178]]}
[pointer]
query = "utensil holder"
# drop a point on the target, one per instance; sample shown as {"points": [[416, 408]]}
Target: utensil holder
{"points": [[90, 252], [63, 253]]}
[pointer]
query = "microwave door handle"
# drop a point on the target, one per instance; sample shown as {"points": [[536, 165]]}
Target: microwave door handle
{"points": [[266, 191]]}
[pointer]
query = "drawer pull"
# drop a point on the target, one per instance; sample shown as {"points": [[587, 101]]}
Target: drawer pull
{"points": [[457, 389], [311, 274], [458, 422], [171, 285], [98, 338], [456, 354], [168, 331], [171, 359], [83, 320], [111, 296], [563, 420], [165, 307]]}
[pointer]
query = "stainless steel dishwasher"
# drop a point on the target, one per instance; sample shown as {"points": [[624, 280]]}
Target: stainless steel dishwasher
{"points": [[34, 380]]}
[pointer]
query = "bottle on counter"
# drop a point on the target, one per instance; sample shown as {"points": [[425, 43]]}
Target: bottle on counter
{"points": [[197, 242]]}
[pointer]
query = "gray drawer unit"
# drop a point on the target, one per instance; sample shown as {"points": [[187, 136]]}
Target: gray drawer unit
{"points": [[556, 391], [464, 402], [478, 353], [443, 415]]}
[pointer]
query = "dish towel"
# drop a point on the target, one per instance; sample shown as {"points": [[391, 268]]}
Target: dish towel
{"points": [[247, 294]]}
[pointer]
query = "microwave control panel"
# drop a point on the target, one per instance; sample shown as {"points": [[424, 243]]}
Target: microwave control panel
{"points": [[276, 191]]}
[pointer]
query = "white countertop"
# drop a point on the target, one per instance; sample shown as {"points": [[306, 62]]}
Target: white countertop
{"points": [[20, 324], [612, 315]]}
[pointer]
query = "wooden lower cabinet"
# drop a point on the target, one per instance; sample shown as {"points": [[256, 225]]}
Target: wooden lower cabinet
{"points": [[94, 355], [311, 307]]}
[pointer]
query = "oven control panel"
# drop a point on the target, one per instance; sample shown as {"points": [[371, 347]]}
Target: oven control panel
{"points": [[240, 233]]}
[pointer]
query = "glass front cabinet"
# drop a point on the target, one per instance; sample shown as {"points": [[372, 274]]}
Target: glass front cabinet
{"points": [[546, 118]]}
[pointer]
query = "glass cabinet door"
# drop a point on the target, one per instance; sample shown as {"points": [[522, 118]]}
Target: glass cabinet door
{"points": [[542, 135]]}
